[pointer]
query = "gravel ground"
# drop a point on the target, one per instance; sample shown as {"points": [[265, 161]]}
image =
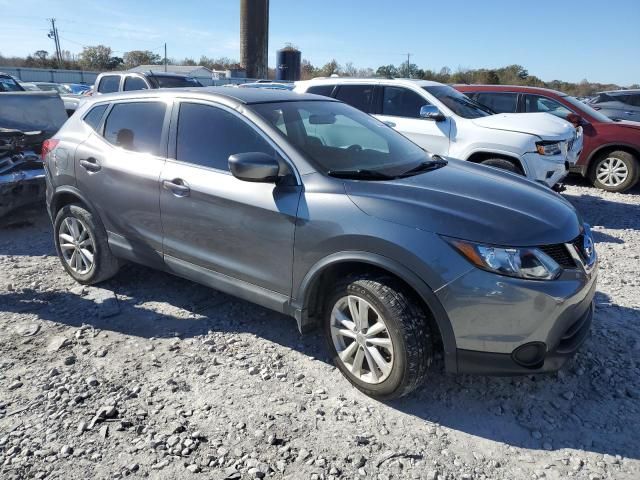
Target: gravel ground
{"points": [[153, 376]]}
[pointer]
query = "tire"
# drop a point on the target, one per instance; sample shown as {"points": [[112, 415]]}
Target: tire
{"points": [[408, 333], [603, 171], [503, 164], [90, 248]]}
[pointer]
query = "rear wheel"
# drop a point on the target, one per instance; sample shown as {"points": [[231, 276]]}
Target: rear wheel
{"points": [[81, 243], [615, 171], [379, 336], [503, 164]]}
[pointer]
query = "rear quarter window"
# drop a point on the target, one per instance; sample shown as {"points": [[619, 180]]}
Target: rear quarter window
{"points": [[324, 90], [94, 116]]}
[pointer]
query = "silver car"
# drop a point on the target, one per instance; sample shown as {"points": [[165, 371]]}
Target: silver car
{"points": [[307, 206]]}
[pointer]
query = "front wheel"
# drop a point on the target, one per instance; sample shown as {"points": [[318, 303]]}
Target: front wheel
{"points": [[503, 164], [379, 336], [615, 172]]}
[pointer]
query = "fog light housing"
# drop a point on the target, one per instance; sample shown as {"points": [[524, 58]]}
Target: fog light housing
{"points": [[530, 355]]}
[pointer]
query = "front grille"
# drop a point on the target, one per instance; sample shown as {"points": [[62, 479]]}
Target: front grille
{"points": [[560, 254], [578, 243]]}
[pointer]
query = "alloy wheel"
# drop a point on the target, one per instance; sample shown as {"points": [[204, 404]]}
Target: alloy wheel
{"points": [[612, 172], [77, 245], [361, 338]]}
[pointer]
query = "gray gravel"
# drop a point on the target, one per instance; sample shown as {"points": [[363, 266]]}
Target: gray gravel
{"points": [[153, 376]]}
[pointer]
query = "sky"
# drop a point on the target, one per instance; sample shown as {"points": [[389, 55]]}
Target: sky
{"points": [[565, 40]]}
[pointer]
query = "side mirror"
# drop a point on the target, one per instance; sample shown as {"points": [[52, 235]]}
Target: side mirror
{"points": [[254, 167], [575, 119], [429, 112]]}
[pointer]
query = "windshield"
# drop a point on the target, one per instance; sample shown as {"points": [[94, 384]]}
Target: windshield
{"points": [[175, 82], [340, 139], [459, 103], [8, 84], [586, 108]]}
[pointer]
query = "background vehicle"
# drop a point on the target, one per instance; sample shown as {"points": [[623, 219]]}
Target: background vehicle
{"points": [[317, 210], [9, 84], [30, 87], [618, 104], [52, 87], [77, 88], [26, 120], [611, 153], [442, 121], [111, 82]]}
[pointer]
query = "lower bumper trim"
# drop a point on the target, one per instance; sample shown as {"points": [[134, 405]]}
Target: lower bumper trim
{"points": [[503, 364]]}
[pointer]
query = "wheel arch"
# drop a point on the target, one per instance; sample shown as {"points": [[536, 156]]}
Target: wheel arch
{"points": [[310, 299], [482, 155], [608, 148], [67, 195]]}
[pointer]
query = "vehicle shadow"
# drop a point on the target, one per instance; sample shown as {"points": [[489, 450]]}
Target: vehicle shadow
{"points": [[597, 211], [591, 404]]}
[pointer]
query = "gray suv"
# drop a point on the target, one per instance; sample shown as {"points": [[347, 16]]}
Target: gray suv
{"points": [[307, 206], [618, 104]]}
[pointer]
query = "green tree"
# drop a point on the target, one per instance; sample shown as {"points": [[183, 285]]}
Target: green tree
{"points": [[387, 71], [135, 58], [99, 58]]}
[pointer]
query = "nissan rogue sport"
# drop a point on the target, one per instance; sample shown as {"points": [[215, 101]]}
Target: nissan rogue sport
{"points": [[310, 207]]}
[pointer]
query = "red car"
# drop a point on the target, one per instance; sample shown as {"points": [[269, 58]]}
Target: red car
{"points": [[610, 156]]}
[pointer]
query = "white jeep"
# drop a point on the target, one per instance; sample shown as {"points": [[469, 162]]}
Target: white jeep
{"points": [[445, 122]]}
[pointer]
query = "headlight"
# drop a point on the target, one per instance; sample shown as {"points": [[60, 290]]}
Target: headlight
{"points": [[549, 148], [528, 262]]}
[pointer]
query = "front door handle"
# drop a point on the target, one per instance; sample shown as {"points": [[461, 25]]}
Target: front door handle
{"points": [[390, 124], [90, 164], [179, 187]]}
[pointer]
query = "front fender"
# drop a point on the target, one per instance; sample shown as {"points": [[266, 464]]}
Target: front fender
{"points": [[304, 294]]}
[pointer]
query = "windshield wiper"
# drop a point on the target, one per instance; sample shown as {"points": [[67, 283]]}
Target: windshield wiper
{"points": [[363, 174], [433, 164]]}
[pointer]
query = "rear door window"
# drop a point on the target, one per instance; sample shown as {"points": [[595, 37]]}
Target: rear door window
{"points": [[136, 126], [506, 102], [109, 84], [134, 83], [402, 102], [358, 96]]}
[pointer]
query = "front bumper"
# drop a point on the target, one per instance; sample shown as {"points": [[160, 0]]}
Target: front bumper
{"points": [[488, 363], [546, 170], [493, 316]]}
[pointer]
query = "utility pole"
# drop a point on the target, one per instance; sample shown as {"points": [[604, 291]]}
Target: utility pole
{"points": [[53, 34], [165, 57], [409, 65]]}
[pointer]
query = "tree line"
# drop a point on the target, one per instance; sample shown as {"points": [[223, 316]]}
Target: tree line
{"points": [[102, 58]]}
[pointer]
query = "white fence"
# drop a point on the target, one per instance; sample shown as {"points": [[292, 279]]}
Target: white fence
{"points": [[51, 75], [83, 76]]}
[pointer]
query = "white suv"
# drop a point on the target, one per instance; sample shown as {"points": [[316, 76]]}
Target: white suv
{"points": [[443, 121]]}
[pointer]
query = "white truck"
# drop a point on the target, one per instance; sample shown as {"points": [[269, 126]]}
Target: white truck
{"points": [[445, 122]]}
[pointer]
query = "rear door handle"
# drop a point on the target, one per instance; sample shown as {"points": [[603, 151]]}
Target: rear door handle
{"points": [[179, 187], [90, 164]]}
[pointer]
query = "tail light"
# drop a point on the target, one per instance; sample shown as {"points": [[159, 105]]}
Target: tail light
{"points": [[48, 146]]}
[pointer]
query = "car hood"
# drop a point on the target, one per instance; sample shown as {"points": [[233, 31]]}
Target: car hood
{"points": [[543, 125], [471, 202]]}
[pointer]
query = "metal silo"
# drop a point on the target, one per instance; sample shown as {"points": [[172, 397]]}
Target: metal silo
{"points": [[254, 37], [288, 62]]}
